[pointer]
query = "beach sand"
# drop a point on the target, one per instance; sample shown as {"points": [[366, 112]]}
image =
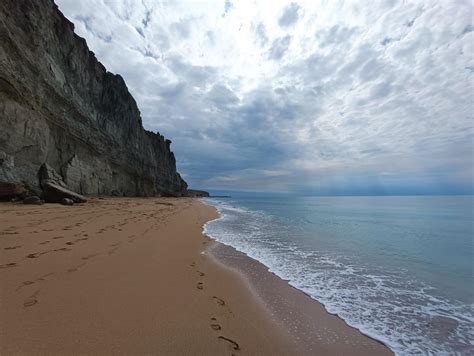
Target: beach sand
{"points": [[136, 276]]}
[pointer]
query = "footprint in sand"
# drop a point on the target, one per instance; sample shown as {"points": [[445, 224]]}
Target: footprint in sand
{"points": [[63, 249], [235, 345], [112, 251], [8, 233], [193, 264], [32, 300], [24, 284], [44, 276], [30, 303], [214, 325], [12, 247], [8, 265], [219, 300], [200, 285], [58, 237], [44, 242], [85, 258], [34, 255], [201, 273], [69, 243], [76, 268]]}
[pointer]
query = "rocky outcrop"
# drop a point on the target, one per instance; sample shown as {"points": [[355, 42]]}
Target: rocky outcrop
{"points": [[54, 188], [54, 193], [59, 105]]}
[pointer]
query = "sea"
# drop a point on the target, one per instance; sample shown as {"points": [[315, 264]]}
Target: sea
{"points": [[398, 268]]}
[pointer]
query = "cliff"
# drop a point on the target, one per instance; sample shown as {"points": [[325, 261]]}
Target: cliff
{"points": [[60, 106]]}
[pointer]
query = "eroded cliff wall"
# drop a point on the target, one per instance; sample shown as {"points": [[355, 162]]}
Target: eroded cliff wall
{"points": [[59, 105]]}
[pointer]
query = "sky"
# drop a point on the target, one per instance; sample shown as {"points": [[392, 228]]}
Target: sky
{"points": [[311, 97]]}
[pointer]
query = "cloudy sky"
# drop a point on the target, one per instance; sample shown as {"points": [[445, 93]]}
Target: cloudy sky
{"points": [[324, 97]]}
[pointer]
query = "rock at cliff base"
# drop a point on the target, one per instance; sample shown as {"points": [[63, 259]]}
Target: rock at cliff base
{"points": [[10, 190], [67, 201], [47, 174], [54, 193], [10, 184], [54, 188], [33, 200]]}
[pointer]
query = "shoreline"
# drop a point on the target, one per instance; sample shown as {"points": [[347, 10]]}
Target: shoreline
{"points": [[133, 276], [295, 311]]}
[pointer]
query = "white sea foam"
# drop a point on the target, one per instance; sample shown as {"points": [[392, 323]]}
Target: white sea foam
{"points": [[386, 305]]}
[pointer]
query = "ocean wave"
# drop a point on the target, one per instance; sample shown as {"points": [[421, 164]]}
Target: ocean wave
{"points": [[386, 305]]}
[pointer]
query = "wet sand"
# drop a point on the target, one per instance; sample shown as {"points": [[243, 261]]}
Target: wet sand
{"points": [[136, 276]]}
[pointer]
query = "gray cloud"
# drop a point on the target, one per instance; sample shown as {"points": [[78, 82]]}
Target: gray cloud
{"points": [[290, 15], [221, 95], [279, 47], [182, 28], [379, 98], [261, 33]]}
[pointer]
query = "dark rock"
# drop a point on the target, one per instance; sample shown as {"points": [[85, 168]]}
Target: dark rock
{"points": [[58, 104], [116, 193], [193, 193], [54, 188], [9, 190], [47, 174], [33, 200], [67, 201], [53, 193], [10, 185]]}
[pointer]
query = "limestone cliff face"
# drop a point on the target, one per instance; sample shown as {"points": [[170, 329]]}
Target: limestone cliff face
{"points": [[59, 105]]}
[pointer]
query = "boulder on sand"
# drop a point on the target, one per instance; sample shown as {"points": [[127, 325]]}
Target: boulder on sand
{"points": [[54, 188], [33, 200], [47, 174], [54, 193], [67, 201]]}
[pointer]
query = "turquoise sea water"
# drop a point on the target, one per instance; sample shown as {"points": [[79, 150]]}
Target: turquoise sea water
{"points": [[400, 269]]}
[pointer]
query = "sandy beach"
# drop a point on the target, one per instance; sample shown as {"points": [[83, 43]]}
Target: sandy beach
{"points": [[137, 276]]}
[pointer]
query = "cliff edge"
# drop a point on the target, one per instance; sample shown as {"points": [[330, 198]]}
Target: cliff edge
{"points": [[60, 106]]}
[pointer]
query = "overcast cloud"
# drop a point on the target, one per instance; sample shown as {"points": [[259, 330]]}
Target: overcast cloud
{"points": [[325, 97]]}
